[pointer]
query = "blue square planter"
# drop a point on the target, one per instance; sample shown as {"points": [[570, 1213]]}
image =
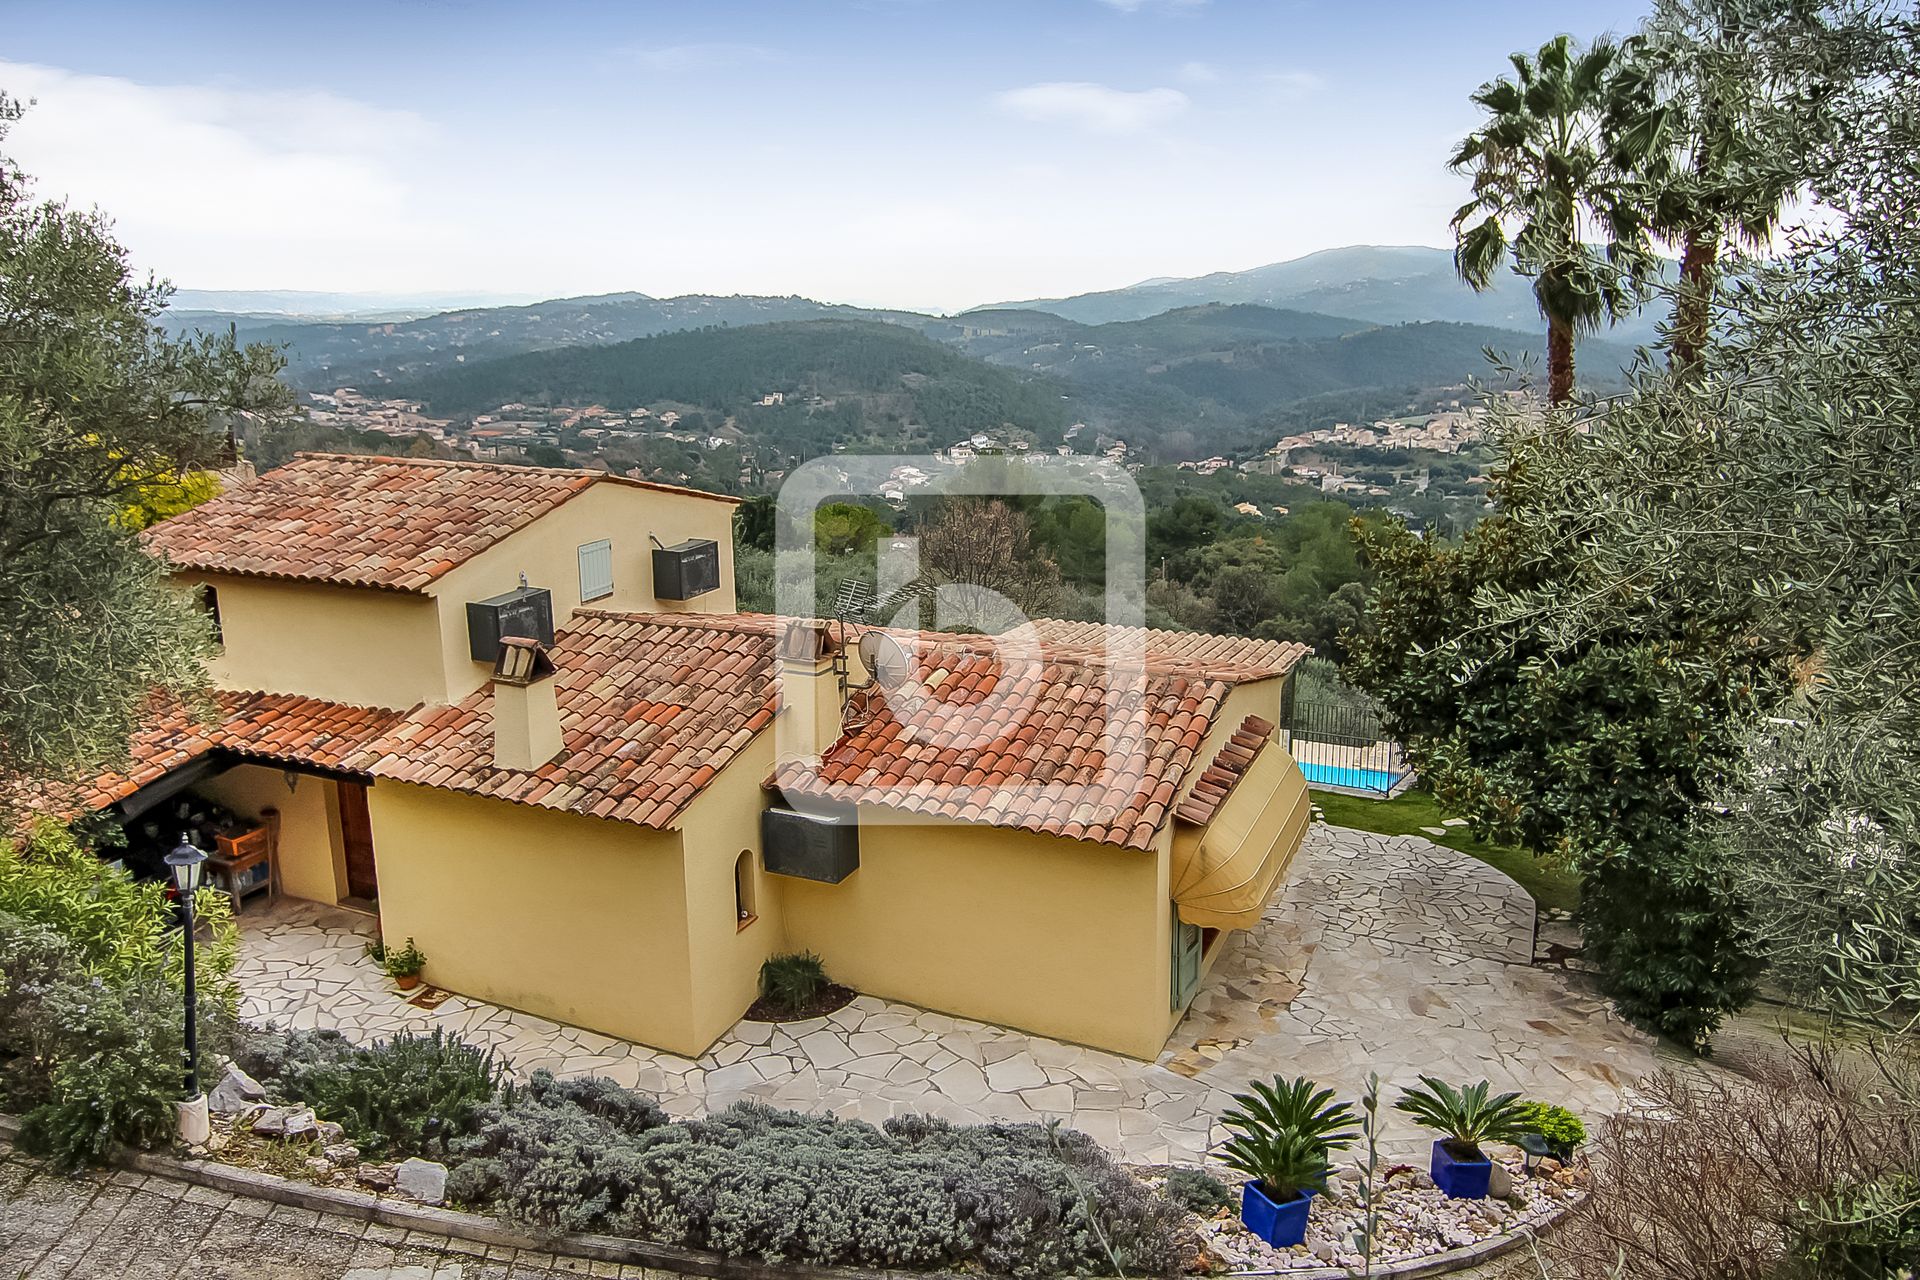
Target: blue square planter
{"points": [[1281, 1224], [1460, 1179]]}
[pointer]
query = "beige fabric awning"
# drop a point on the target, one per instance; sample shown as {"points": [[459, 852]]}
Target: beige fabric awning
{"points": [[1223, 873]]}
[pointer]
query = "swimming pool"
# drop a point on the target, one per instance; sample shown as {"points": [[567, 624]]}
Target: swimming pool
{"points": [[1334, 775]]}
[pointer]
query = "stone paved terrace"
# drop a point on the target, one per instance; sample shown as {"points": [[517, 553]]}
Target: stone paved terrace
{"points": [[1383, 953]]}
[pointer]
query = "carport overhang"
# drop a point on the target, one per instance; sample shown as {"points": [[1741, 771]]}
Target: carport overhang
{"points": [[211, 765]]}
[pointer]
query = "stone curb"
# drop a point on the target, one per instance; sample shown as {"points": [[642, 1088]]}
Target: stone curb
{"points": [[471, 1227], [1434, 1264], [480, 1229]]}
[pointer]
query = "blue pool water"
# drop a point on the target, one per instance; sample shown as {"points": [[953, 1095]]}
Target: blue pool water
{"points": [[1334, 775]]}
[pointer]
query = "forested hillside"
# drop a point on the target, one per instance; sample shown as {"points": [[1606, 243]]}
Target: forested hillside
{"points": [[1257, 377], [321, 356], [854, 378], [1189, 383], [1227, 378], [1015, 336]]}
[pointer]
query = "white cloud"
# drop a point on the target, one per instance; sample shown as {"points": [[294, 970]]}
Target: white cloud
{"points": [[1197, 72], [700, 57], [1094, 107], [235, 176]]}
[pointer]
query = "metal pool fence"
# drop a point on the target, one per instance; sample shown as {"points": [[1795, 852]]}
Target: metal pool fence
{"points": [[1343, 745]]}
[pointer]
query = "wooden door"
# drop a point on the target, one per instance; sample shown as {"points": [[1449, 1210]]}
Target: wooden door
{"points": [[356, 835]]}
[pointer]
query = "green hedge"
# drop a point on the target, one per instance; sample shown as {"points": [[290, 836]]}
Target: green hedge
{"points": [[89, 1062], [405, 1096]]}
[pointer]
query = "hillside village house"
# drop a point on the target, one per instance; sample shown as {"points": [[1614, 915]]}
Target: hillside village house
{"points": [[513, 711]]}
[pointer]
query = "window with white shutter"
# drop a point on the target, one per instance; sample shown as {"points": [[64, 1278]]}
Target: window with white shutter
{"points": [[596, 570]]}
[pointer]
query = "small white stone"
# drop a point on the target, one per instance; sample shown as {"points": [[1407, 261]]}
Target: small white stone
{"points": [[424, 1180]]}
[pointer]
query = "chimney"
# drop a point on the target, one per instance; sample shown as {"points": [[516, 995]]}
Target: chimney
{"points": [[810, 691], [526, 714]]}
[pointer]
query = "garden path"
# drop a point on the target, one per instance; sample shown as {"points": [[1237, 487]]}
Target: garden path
{"points": [[1382, 953]]}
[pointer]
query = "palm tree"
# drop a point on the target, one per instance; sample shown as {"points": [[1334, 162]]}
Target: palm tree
{"points": [[1713, 103], [1545, 184]]}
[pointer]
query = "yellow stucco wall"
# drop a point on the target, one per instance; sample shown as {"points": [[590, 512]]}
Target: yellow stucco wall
{"points": [[721, 823], [576, 919], [312, 861], [369, 648], [547, 551], [633, 932], [393, 649], [1062, 937]]}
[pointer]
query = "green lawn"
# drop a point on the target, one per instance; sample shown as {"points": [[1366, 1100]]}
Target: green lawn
{"points": [[1550, 885]]}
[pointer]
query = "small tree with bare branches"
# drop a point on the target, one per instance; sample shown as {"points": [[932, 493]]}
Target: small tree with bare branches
{"points": [[991, 576]]}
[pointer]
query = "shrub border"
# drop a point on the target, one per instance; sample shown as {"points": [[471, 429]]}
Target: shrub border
{"points": [[480, 1229]]}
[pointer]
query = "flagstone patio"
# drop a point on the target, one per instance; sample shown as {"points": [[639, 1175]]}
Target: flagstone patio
{"points": [[1381, 953]]}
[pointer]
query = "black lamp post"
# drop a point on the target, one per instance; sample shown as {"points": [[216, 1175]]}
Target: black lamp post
{"points": [[185, 862]]}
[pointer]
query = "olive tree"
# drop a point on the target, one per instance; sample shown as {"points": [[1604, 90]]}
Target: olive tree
{"points": [[1778, 493], [1683, 652], [100, 411]]}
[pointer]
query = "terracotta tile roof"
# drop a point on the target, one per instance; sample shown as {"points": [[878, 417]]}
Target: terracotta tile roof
{"points": [[1211, 788], [652, 707], [392, 523], [1194, 651], [1040, 744], [281, 726], [274, 727]]}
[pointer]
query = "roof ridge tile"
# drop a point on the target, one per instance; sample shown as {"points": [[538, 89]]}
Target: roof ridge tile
{"points": [[1224, 772]]}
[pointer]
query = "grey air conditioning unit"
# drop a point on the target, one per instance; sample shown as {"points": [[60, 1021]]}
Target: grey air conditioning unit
{"points": [[686, 569], [809, 846], [526, 612]]}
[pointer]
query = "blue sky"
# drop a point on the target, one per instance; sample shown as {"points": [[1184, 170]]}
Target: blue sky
{"points": [[923, 153]]}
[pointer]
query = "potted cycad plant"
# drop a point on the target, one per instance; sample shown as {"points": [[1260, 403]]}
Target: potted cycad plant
{"points": [[1283, 1134], [1464, 1118]]}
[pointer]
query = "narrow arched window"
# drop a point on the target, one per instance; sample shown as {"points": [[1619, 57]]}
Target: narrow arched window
{"points": [[743, 910]]}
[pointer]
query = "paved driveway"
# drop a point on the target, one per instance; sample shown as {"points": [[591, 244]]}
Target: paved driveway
{"points": [[122, 1226], [1384, 953]]}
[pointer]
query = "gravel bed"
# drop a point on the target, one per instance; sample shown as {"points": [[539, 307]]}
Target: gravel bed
{"points": [[1415, 1218]]}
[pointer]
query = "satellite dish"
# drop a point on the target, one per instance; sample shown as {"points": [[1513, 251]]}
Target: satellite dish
{"points": [[885, 659]]}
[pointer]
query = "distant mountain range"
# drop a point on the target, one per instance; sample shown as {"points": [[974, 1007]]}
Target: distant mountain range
{"points": [[360, 333], [324, 355], [1198, 379], [1218, 361], [1381, 284]]}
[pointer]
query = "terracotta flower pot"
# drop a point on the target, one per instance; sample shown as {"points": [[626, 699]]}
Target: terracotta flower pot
{"points": [[409, 981]]}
